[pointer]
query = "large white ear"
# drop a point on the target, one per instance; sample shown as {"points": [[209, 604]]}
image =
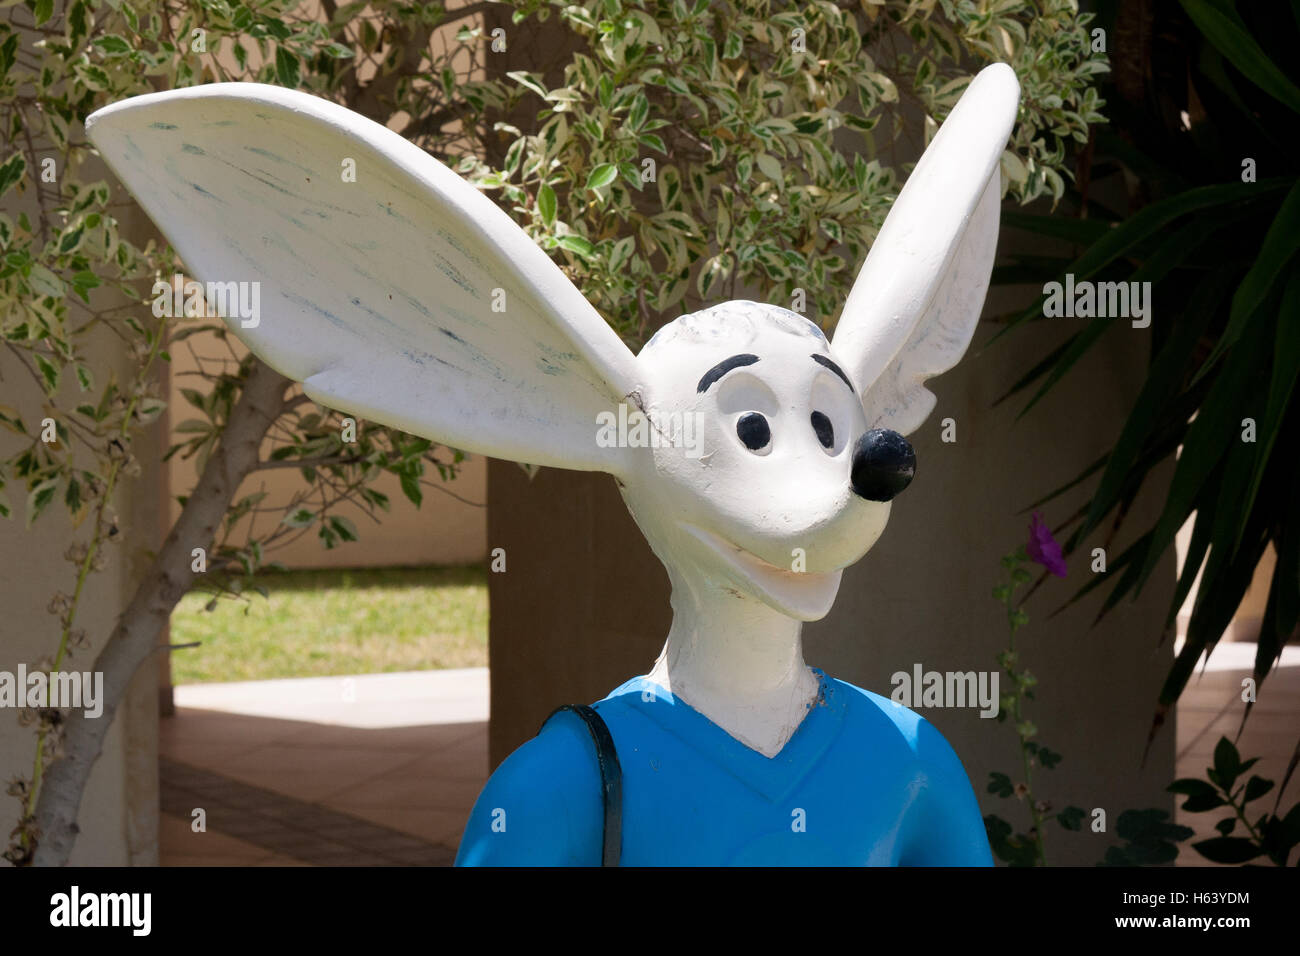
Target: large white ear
{"points": [[400, 294], [914, 307]]}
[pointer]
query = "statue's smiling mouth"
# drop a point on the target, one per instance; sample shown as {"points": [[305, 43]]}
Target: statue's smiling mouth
{"points": [[754, 568], [803, 595]]}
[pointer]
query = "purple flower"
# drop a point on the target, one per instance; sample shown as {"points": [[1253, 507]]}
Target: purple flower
{"points": [[1042, 547]]}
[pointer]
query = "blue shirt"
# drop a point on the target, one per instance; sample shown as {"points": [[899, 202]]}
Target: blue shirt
{"points": [[862, 782]]}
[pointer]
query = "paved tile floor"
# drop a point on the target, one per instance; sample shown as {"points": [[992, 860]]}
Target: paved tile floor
{"points": [[371, 770], [383, 769]]}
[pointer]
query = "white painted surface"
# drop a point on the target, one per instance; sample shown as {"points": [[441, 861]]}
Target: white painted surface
{"points": [[914, 307], [377, 294], [402, 699]]}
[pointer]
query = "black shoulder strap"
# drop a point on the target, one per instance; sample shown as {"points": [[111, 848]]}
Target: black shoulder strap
{"points": [[611, 779]]}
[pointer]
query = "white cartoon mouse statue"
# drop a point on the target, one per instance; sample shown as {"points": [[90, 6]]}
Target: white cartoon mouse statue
{"points": [[770, 441]]}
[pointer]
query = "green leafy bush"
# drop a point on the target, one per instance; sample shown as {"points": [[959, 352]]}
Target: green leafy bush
{"points": [[694, 152], [1215, 229], [1271, 835]]}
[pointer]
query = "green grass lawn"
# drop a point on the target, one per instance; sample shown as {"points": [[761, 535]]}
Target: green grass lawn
{"points": [[320, 623]]}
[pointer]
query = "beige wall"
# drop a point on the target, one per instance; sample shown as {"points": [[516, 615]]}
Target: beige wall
{"points": [[1245, 623], [1256, 597], [450, 526]]}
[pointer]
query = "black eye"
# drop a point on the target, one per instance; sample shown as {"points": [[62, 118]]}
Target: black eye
{"points": [[753, 430], [825, 431]]}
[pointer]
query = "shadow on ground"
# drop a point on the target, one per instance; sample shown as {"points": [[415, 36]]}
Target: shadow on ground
{"points": [[279, 792]]}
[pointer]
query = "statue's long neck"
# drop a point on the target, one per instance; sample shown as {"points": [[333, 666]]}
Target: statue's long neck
{"points": [[738, 662]]}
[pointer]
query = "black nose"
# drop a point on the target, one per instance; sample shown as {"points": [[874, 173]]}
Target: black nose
{"points": [[883, 465]]}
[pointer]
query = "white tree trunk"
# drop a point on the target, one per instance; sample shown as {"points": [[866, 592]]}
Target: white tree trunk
{"points": [[136, 635]]}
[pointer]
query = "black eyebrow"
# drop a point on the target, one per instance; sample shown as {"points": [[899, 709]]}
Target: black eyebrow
{"points": [[723, 367], [824, 361]]}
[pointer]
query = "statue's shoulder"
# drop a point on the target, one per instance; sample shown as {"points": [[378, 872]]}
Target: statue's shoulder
{"points": [[931, 755], [869, 712], [542, 805], [868, 705], [562, 748]]}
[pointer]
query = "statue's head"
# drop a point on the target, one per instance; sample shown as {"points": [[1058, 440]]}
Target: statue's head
{"points": [[763, 474], [757, 456]]}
